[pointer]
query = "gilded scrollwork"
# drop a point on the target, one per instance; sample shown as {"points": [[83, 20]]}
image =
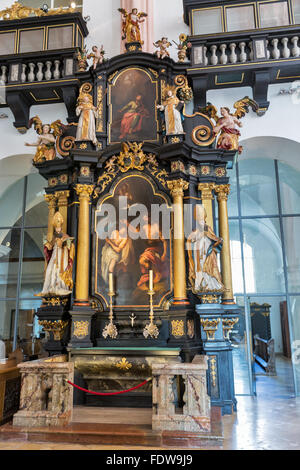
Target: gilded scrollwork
{"points": [[57, 327], [178, 328], [81, 329]]}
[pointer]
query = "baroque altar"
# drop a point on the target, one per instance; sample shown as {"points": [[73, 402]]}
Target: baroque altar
{"points": [[136, 271]]}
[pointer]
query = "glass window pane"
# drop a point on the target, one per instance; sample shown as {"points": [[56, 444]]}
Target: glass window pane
{"points": [[296, 10], [295, 338], [273, 14], [263, 255], [9, 261], [59, 38], [11, 197], [240, 18], [34, 3], [258, 187], [240, 353], [207, 21], [31, 40], [33, 262], [236, 257], [289, 179], [7, 307], [232, 204], [291, 227], [36, 206], [7, 43]]}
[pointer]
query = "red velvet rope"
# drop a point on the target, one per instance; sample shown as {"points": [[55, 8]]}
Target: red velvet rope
{"points": [[111, 393]]}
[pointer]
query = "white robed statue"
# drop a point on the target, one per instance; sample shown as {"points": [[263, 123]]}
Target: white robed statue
{"points": [[202, 246], [59, 256], [172, 115], [87, 112]]}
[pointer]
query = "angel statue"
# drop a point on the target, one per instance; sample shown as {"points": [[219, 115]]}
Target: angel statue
{"points": [[47, 137], [226, 125], [87, 112], [131, 25], [97, 55], [202, 246], [163, 45], [173, 117], [59, 256]]}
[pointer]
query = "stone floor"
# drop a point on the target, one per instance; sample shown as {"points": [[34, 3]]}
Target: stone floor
{"points": [[269, 421]]}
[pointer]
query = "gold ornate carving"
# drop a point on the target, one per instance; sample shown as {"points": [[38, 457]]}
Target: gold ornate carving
{"points": [[210, 298], [175, 140], [112, 76], [81, 329], [66, 144], [124, 364], [202, 136], [154, 73], [222, 191], [190, 328], [52, 181], [205, 170], [177, 166], [210, 327], [177, 328], [219, 172], [154, 169], [177, 187], [130, 161], [83, 146], [192, 170], [213, 370], [228, 324], [18, 12], [84, 190], [63, 178], [57, 327], [85, 171], [55, 301], [100, 109]]}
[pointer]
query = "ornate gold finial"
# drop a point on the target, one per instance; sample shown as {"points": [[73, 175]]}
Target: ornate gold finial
{"points": [[18, 12], [124, 364]]}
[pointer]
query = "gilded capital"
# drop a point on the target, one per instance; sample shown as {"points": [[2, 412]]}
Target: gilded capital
{"points": [[177, 187], [84, 190], [62, 196], [222, 191], [206, 190]]}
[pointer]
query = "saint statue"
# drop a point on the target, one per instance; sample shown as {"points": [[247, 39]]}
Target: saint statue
{"points": [[47, 138], [163, 45], [87, 113], [172, 115], [203, 246], [226, 125], [59, 256], [131, 25]]}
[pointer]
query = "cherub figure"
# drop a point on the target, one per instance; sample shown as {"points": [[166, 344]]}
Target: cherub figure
{"points": [[97, 55], [226, 125], [131, 25], [163, 45], [46, 141]]}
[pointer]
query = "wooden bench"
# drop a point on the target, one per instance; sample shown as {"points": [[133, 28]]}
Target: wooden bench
{"points": [[264, 353]]}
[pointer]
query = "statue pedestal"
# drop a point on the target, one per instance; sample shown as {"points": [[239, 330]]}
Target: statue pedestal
{"points": [[133, 47]]}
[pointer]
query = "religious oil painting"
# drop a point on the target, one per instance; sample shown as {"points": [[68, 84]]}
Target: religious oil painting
{"points": [[133, 100], [132, 245]]}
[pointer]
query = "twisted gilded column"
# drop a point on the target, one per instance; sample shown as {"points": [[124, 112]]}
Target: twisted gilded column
{"points": [[207, 198], [84, 192], [51, 201], [222, 192], [62, 202], [177, 187]]}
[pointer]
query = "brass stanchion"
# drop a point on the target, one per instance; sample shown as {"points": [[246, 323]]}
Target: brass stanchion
{"points": [[222, 192], [177, 187], [84, 192]]}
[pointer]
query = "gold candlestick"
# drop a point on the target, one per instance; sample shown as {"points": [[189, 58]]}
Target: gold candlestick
{"points": [[151, 329], [110, 329]]}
